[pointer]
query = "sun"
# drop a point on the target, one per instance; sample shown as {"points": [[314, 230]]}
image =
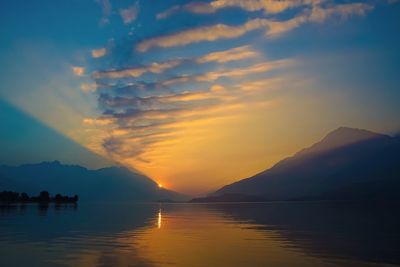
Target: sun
{"points": [[160, 185]]}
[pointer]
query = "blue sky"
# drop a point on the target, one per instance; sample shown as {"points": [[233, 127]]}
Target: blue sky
{"points": [[197, 94]]}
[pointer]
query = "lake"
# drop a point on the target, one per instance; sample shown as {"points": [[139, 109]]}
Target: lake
{"points": [[221, 235]]}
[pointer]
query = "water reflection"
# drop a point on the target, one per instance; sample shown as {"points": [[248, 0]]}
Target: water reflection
{"points": [[42, 208], [275, 234], [159, 219], [367, 232]]}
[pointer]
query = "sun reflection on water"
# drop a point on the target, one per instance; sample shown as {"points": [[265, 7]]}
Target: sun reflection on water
{"points": [[159, 219]]}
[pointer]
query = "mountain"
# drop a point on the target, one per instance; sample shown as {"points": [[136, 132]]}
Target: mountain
{"points": [[346, 164], [106, 184], [341, 137]]}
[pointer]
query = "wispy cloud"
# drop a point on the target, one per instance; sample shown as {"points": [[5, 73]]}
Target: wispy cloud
{"points": [[137, 124], [106, 10], [78, 71], [272, 27], [262, 84], [277, 28], [268, 6], [129, 14], [237, 53], [212, 76], [200, 34], [319, 14], [88, 87], [98, 121], [148, 125], [101, 52], [233, 54], [138, 71]]}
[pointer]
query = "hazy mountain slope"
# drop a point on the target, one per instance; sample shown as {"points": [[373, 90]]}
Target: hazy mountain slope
{"points": [[107, 184], [347, 162]]}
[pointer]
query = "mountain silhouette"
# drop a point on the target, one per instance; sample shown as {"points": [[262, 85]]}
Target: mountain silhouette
{"points": [[341, 137], [106, 184], [346, 164]]}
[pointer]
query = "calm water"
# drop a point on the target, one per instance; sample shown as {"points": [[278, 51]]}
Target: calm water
{"points": [[257, 234]]}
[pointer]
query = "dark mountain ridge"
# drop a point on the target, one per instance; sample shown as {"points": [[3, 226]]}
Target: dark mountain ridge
{"points": [[346, 164], [105, 184]]}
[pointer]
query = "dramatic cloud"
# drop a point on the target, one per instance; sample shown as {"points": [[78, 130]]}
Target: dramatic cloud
{"points": [[129, 14], [154, 106], [101, 52], [138, 124], [145, 126], [146, 116]]}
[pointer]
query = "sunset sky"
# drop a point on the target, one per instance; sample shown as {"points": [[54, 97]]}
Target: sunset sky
{"points": [[193, 94]]}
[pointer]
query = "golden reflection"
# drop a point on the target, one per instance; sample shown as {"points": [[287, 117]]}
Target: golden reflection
{"points": [[195, 236], [159, 219]]}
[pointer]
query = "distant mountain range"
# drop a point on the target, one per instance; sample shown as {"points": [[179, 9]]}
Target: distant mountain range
{"points": [[347, 164], [106, 184]]}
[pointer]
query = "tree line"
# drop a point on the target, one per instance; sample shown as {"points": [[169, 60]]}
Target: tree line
{"points": [[43, 197]]}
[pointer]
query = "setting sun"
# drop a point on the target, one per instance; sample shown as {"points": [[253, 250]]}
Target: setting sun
{"points": [[188, 133]]}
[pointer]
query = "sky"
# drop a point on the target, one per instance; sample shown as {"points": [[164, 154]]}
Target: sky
{"points": [[194, 94]]}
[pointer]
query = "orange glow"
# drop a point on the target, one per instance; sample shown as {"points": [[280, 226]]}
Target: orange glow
{"points": [[174, 242], [159, 219]]}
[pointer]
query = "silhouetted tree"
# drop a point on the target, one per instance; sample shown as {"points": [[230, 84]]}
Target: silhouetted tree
{"points": [[44, 196], [24, 197], [58, 198], [9, 196]]}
